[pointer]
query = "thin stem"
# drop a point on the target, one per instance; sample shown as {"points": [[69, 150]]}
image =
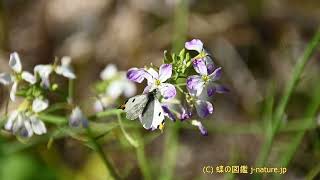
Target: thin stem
{"points": [[297, 71], [103, 156], [142, 160], [126, 135], [308, 121], [313, 173]]}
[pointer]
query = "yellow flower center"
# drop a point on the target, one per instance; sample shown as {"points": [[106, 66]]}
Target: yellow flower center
{"points": [[205, 78], [25, 105], [201, 55], [157, 82]]}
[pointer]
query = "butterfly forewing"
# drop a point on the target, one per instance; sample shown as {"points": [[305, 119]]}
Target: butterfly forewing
{"points": [[135, 105]]}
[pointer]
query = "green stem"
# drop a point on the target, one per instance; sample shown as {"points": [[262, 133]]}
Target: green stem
{"points": [[313, 173], [105, 159], [308, 121], [297, 71], [142, 160], [126, 135]]}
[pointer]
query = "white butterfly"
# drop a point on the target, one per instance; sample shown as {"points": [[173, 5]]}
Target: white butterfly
{"points": [[147, 108]]}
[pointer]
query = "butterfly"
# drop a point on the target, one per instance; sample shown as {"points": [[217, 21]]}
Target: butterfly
{"points": [[147, 108]]}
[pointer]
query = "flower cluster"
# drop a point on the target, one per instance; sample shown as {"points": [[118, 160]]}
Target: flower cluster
{"points": [[33, 90], [113, 84], [195, 77], [182, 85]]}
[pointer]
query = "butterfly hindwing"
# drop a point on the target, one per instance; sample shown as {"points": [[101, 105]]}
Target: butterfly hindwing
{"points": [[153, 114], [135, 106]]}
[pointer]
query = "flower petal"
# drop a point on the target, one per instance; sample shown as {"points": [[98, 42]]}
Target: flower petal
{"points": [[168, 113], [39, 105], [115, 89], [211, 90], [165, 72], [216, 75], [153, 73], [194, 44], [77, 118], [109, 72], [129, 88], [44, 72], [185, 114], [38, 126], [27, 125], [66, 61], [202, 129], [13, 91], [136, 75], [167, 90], [221, 89], [18, 123], [148, 89], [5, 78], [15, 62], [200, 66], [203, 108], [195, 84], [11, 120], [28, 77], [65, 71], [209, 63]]}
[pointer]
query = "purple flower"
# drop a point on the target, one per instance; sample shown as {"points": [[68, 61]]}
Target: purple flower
{"points": [[168, 113], [194, 44], [203, 108], [136, 75], [157, 81], [202, 129], [197, 83], [197, 45], [185, 114]]}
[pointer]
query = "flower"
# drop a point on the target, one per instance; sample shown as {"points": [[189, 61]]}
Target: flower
{"points": [[155, 80], [202, 129], [25, 123], [185, 114], [196, 83], [167, 112], [115, 83], [203, 107], [77, 118], [64, 69], [197, 45], [119, 83], [17, 75], [136, 75]]}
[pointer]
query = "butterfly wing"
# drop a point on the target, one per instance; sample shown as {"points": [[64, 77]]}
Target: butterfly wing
{"points": [[135, 106], [153, 115]]}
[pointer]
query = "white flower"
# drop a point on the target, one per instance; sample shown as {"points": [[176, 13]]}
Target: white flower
{"points": [[109, 72], [77, 118], [39, 105], [64, 69], [26, 123], [14, 78], [118, 85], [22, 124]]}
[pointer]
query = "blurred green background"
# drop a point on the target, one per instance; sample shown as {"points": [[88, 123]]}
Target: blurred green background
{"points": [[257, 42]]}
